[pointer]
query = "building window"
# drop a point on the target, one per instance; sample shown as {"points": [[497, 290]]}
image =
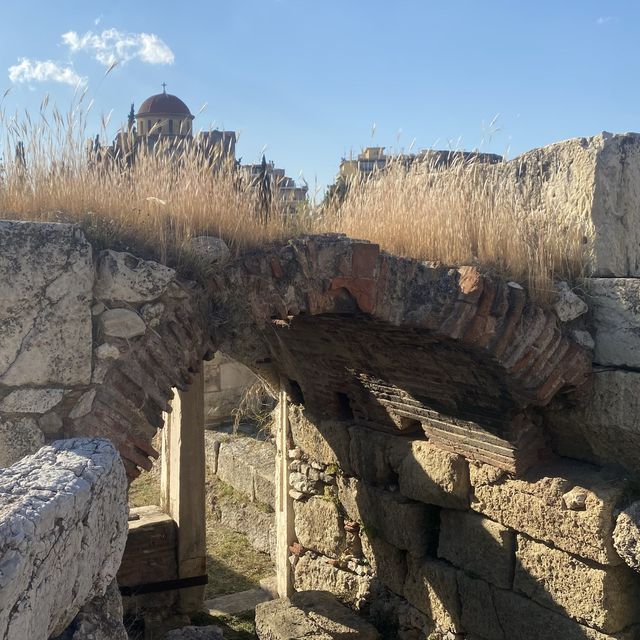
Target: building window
{"points": [[170, 126]]}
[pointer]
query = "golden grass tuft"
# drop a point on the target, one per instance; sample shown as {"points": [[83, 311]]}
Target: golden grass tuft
{"points": [[463, 214]]}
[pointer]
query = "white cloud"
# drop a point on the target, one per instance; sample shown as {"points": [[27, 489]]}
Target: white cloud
{"points": [[44, 71], [113, 46], [604, 19]]}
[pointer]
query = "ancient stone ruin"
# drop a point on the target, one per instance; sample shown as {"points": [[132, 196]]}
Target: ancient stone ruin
{"points": [[452, 459]]}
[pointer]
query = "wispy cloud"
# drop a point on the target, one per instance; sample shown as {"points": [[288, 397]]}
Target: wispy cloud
{"points": [[113, 45], [28, 70], [605, 19]]}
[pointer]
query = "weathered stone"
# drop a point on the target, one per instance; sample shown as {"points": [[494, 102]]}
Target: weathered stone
{"points": [[319, 526], [478, 614], [434, 476], [388, 562], [626, 535], [375, 456], [313, 615], [213, 250], [317, 573], [152, 313], [50, 424], [212, 441], [615, 309], [256, 524], [248, 465], [107, 351], [62, 534], [408, 525], [209, 632], [46, 277], [123, 277], [595, 177], [19, 437], [326, 441], [99, 619], [478, 545], [568, 305], [604, 427], [523, 619], [535, 505], [553, 578], [31, 400], [84, 404], [122, 323], [431, 586]]}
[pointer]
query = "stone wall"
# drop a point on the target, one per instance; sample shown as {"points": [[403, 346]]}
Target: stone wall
{"points": [[247, 465], [62, 534], [425, 542]]}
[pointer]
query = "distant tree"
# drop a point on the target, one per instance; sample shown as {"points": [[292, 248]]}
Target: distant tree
{"points": [[264, 191], [131, 119]]}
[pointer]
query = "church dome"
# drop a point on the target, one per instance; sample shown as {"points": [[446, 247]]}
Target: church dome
{"points": [[163, 104]]}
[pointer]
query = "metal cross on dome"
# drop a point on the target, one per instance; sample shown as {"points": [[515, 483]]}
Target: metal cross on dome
{"points": [[164, 87]]}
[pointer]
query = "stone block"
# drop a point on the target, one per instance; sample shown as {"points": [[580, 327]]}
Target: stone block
{"points": [[480, 546], [256, 524], [388, 562], [604, 428], [126, 278], [46, 281], [326, 441], [62, 534], [319, 526], [19, 437], [212, 441], [615, 313], [208, 632], [477, 611], [313, 615], [318, 573], [27, 400], [607, 598], [568, 504], [431, 586], [375, 456], [248, 465], [523, 619], [595, 178], [626, 535], [122, 323], [407, 525], [434, 476]]}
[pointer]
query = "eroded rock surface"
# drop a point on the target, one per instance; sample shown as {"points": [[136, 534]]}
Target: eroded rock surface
{"points": [[62, 534], [45, 316]]}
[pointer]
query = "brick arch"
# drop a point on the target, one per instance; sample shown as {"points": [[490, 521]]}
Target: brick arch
{"points": [[400, 344]]}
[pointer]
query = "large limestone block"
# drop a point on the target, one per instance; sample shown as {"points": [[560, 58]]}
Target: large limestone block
{"points": [[375, 456], [593, 179], [31, 400], [46, 279], [615, 310], [317, 573], [19, 437], [607, 598], [248, 465], [407, 525], [570, 505], [606, 427], [388, 562], [256, 524], [434, 476], [431, 586], [63, 529], [626, 535], [477, 611], [522, 619], [313, 615], [478, 545], [319, 526], [123, 277]]}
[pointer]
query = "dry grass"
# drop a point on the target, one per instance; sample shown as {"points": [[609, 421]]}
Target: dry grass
{"points": [[468, 214]]}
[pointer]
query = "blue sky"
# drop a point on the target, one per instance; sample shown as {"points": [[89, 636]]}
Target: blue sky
{"points": [[309, 80]]}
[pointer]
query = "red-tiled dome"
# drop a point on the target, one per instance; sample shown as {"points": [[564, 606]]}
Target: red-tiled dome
{"points": [[163, 104]]}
